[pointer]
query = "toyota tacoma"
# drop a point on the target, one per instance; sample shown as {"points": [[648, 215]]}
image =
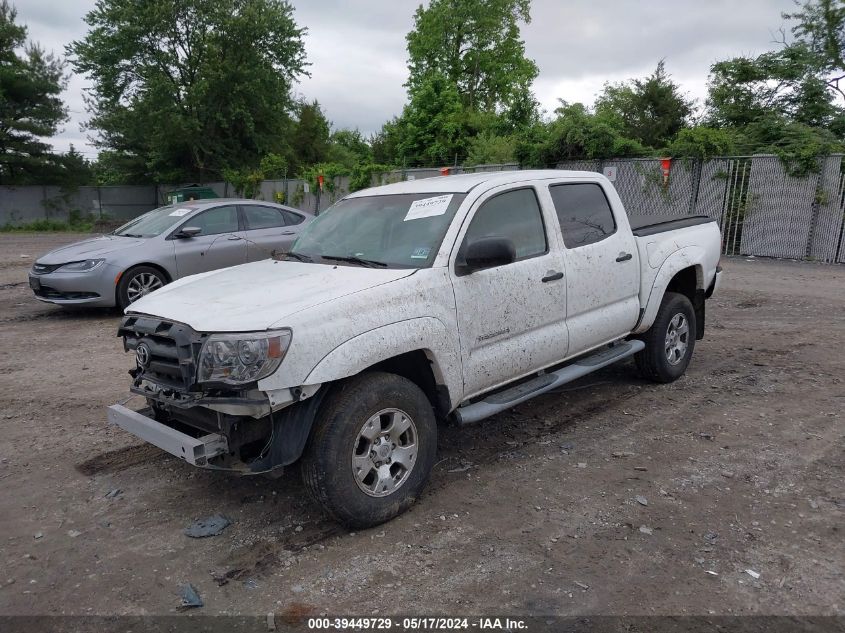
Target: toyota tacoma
{"points": [[403, 307]]}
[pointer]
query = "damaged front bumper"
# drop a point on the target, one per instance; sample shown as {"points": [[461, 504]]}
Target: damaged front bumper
{"points": [[208, 425], [203, 437], [194, 450]]}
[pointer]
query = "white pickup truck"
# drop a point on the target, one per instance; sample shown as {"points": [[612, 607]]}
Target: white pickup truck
{"points": [[404, 306]]}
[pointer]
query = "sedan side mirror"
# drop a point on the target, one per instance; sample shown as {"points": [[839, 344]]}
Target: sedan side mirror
{"points": [[487, 252], [188, 231]]}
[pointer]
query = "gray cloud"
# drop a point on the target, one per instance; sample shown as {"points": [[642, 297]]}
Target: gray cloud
{"points": [[357, 49]]}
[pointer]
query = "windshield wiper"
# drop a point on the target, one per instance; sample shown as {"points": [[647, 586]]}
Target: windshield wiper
{"points": [[351, 259], [128, 235], [297, 256]]}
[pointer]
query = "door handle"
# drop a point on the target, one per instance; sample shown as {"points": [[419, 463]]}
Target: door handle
{"points": [[624, 257], [289, 233], [552, 276], [232, 238]]}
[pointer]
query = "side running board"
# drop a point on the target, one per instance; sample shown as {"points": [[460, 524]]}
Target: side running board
{"points": [[512, 396]]}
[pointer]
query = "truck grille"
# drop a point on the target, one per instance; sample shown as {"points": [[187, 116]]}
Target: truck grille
{"points": [[168, 351]]}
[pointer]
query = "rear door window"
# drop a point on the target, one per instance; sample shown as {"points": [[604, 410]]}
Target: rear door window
{"points": [[259, 217], [292, 218], [583, 212]]}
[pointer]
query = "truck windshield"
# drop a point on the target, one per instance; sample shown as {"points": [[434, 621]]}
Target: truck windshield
{"points": [[395, 231], [155, 222]]}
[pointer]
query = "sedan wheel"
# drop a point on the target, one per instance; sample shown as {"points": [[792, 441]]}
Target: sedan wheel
{"points": [[138, 282], [142, 284]]}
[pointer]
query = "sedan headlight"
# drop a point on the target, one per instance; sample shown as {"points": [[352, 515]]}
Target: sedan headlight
{"points": [[236, 359], [80, 267]]}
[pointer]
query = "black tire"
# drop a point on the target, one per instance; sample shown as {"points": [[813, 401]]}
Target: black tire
{"points": [[654, 362], [327, 465], [134, 274]]}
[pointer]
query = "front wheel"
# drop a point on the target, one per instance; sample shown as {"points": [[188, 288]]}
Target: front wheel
{"points": [[372, 449], [138, 282], [670, 341]]}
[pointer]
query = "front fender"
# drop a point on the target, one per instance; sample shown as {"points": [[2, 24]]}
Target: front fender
{"points": [[365, 350], [675, 263]]}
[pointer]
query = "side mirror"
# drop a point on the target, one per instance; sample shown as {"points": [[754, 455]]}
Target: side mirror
{"points": [[188, 231], [487, 252]]}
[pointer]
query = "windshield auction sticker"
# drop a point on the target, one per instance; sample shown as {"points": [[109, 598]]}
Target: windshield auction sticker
{"points": [[428, 207], [180, 212]]}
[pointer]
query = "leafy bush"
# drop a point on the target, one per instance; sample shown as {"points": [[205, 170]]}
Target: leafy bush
{"points": [[362, 175], [703, 142], [488, 148], [45, 225], [329, 171]]}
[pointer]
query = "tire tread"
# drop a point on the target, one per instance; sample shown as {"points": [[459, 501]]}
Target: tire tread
{"points": [[319, 471], [651, 361]]}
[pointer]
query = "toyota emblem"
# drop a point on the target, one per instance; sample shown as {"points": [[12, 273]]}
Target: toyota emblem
{"points": [[142, 355]]}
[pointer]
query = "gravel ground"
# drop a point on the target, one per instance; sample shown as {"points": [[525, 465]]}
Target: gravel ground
{"points": [[612, 496]]}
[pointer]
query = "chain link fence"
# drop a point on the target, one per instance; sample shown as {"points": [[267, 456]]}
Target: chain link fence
{"points": [[761, 209]]}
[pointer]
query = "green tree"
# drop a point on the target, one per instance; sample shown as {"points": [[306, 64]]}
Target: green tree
{"points": [[788, 101], [745, 89], [801, 80], [76, 170], [651, 110], [821, 29], [430, 126], [491, 148], [577, 133], [185, 88], [310, 136], [348, 147], [30, 108], [476, 46]]}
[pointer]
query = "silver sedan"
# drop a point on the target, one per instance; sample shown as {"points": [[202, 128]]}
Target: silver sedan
{"points": [[162, 245]]}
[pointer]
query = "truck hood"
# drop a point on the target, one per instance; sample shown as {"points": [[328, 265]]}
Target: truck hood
{"points": [[89, 249], [258, 296]]}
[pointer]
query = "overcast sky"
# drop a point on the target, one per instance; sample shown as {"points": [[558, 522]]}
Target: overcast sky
{"points": [[357, 48]]}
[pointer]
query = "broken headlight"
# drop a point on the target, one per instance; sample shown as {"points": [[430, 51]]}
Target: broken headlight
{"points": [[237, 359]]}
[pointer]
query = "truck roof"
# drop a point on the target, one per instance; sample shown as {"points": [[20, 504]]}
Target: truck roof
{"points": [[463, 183]]}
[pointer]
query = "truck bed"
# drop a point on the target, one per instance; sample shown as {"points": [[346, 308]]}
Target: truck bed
{"points": [[643, 225]]}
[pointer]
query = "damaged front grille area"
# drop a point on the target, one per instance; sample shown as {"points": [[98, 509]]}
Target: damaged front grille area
{"points": [[165, 354]]}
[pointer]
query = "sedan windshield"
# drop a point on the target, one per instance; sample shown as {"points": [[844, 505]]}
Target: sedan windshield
{"points": [[155, 222], [396, 231]]}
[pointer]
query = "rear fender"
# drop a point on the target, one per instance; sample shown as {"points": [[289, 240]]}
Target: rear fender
{"points": [[675, 263]]}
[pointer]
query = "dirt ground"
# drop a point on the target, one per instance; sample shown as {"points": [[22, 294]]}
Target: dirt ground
{"points": [[613, 496]]}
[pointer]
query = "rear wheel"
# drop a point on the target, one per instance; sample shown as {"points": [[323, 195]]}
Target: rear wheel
{"points": [[138, 282], [670, 341], [372, 449]]}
